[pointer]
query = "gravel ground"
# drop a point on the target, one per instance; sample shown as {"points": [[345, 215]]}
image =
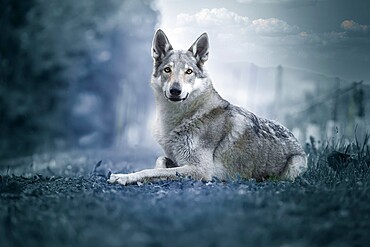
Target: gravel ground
{"points": [[64, 200]]}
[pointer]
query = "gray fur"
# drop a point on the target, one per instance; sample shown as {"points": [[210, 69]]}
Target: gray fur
{"points": [[203, 135]]}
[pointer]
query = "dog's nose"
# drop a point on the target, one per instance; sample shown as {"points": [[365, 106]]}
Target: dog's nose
{"points": [[175, 90]]}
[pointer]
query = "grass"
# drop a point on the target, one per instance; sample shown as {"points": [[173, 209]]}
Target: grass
{"points": [[337, 162]]}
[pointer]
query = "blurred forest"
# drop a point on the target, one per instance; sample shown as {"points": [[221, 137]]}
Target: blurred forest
{"points": [[68, 70]]}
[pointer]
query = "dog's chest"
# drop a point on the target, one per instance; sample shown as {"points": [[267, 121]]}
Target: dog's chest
{"points": [[183, 144]]}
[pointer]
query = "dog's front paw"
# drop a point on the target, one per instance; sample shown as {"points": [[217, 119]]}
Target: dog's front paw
{"points": [[119, 178], [164, 162], [161, 162]]}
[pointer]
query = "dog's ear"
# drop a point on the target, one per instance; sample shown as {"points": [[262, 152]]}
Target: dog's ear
{"points": [[160, 45], [200, 49]]}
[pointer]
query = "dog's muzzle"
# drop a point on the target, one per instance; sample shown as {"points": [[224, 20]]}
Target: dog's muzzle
{"points": [[175, 98]]}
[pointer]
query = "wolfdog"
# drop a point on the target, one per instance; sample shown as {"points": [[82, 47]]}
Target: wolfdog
{"points": [[203, 135]]}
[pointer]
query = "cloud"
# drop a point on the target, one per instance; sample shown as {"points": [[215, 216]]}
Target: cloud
{"points": [[229, 27], [273, 1], [243, 34], [221, 18], [352, 27], [289, 3], [273, 27], [212, 17]]}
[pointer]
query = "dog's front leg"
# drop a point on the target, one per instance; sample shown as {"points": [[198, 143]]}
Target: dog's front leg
{"points": [[150, 175]]}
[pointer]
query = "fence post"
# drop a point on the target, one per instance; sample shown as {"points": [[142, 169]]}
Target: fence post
{"points": [[334, 114]]}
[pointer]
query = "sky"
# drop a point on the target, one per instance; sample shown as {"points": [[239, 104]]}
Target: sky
{"points": [[331, 37]]}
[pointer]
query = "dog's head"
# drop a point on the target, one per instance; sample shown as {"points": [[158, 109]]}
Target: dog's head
{"points": [[179, 74]]}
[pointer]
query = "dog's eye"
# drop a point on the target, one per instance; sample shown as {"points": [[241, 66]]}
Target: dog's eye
{"points": [[167, 69], [189, 71]]}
